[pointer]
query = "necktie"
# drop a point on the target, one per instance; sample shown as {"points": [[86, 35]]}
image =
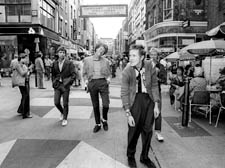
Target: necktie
{"points": [[139, 80]]}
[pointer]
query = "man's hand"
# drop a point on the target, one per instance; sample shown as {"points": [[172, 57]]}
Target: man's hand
{"points": [[156, 110], [131, 121], [108, 81]]}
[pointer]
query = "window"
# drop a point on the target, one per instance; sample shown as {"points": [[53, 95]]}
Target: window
{"points": [[17, 1], [12, 10], [60, 26], [167, 10], [47, 15], [154, 15], [25, 10], [71, 12]]}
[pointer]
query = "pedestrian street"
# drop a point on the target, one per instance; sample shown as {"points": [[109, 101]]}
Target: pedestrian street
{"points": [[41, 142]]}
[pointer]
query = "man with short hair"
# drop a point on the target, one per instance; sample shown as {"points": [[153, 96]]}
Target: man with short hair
{"points": [[96, 74], [140, 97], [63, 75]]}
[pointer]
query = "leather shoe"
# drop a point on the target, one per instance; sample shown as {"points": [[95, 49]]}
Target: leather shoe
{"points": [[96, 128], [147, 162], [132, 162], [105, 125]]}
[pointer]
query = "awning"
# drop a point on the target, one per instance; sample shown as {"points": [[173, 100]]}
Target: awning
{"points": [[218, 32]]}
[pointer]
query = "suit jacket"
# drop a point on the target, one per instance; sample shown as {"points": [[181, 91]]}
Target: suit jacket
{"points": [[128, 86], [67, 75]]}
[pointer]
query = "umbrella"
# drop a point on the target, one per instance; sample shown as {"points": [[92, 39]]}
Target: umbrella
{"points": [[206, 48], [184, 56], [218, 31], [172, 57]]}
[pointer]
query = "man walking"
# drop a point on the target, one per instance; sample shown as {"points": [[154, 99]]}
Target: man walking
{"points": [[96, 74], [140, 97], [161, 76], [63, 75]]}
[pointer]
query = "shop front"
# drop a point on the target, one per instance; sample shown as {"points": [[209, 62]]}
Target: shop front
{"points": [[170, 37], [15, 39]]}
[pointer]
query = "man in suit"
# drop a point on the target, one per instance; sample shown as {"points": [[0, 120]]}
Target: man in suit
{"points": [[140, 97], [63, 75]]}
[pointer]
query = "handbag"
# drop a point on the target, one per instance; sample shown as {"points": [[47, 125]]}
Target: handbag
{"points": [[17, 79]]}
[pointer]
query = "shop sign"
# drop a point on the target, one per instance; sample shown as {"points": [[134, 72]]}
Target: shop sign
{"points": [[31, 31], [104, 11]]}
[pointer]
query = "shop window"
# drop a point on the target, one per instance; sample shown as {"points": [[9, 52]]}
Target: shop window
{"points": [[167, 10]]}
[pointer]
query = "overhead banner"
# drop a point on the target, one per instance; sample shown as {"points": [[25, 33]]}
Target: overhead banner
{"points": [[104, 10]]}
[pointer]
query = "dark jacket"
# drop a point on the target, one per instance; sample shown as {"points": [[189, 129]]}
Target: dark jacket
{"points": [[67, 75], [128, 86]]}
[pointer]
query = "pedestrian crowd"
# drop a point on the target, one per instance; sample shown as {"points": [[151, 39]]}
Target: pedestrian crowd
{"points": [[142, 77]]}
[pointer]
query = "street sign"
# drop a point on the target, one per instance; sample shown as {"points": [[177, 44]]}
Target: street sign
{"points": [[31, 31], [186, 23], [104, 10]]}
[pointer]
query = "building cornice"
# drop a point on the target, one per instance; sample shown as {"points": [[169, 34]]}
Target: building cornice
{"points": [[172, 35], [175, 23]]}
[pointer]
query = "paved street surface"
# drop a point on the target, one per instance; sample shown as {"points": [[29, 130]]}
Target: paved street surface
{"points": [[41, 142]]}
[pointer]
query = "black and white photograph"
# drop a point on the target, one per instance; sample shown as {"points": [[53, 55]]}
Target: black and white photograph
{"points": [[112, 83]]}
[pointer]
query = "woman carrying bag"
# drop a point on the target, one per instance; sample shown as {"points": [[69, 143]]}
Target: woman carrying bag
{"points": [[20, 78]]}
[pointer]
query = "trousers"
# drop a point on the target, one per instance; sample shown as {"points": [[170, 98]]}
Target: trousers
{"points": [[143, 114], [96, 87]]}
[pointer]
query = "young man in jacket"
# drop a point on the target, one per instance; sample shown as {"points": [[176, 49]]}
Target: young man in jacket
{"points": [[96, 74], [63, 75], [140, 97]]}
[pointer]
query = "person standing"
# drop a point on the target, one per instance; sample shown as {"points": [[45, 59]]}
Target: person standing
{"points": [[140, 98], [20, 78], [162, 77], [40, 70], [63, 75], [96, 74], [48, 65]]}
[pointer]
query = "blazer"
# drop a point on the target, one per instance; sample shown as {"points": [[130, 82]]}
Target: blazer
{"points": [[128, 85], [67, 74], [88, 68]]}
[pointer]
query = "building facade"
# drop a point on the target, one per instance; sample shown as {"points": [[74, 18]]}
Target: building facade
{"points": [[174, 24], [39, 25]]}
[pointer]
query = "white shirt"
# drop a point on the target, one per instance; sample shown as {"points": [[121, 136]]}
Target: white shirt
{"points": [[61, 65]]}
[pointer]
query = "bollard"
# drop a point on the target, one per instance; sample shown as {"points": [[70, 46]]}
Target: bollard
{"points": [[185, 113]]}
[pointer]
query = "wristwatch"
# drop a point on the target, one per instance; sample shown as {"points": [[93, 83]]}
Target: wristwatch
{"points": [[128, 113]]}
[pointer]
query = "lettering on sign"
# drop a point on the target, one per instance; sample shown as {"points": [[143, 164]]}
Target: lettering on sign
{"points": [[104, 11]]}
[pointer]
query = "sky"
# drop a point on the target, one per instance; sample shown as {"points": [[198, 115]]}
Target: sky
{"points": [[106, 27]]}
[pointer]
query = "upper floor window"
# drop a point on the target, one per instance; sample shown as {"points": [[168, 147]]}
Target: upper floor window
{"points": [[47, 15], [167, 10]]}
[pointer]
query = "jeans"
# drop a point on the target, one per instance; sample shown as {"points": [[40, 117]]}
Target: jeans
{"points": [[62, 92], [24, 107]]}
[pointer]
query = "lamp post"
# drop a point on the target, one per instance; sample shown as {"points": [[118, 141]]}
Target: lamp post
{"points": [[185, 113]]}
